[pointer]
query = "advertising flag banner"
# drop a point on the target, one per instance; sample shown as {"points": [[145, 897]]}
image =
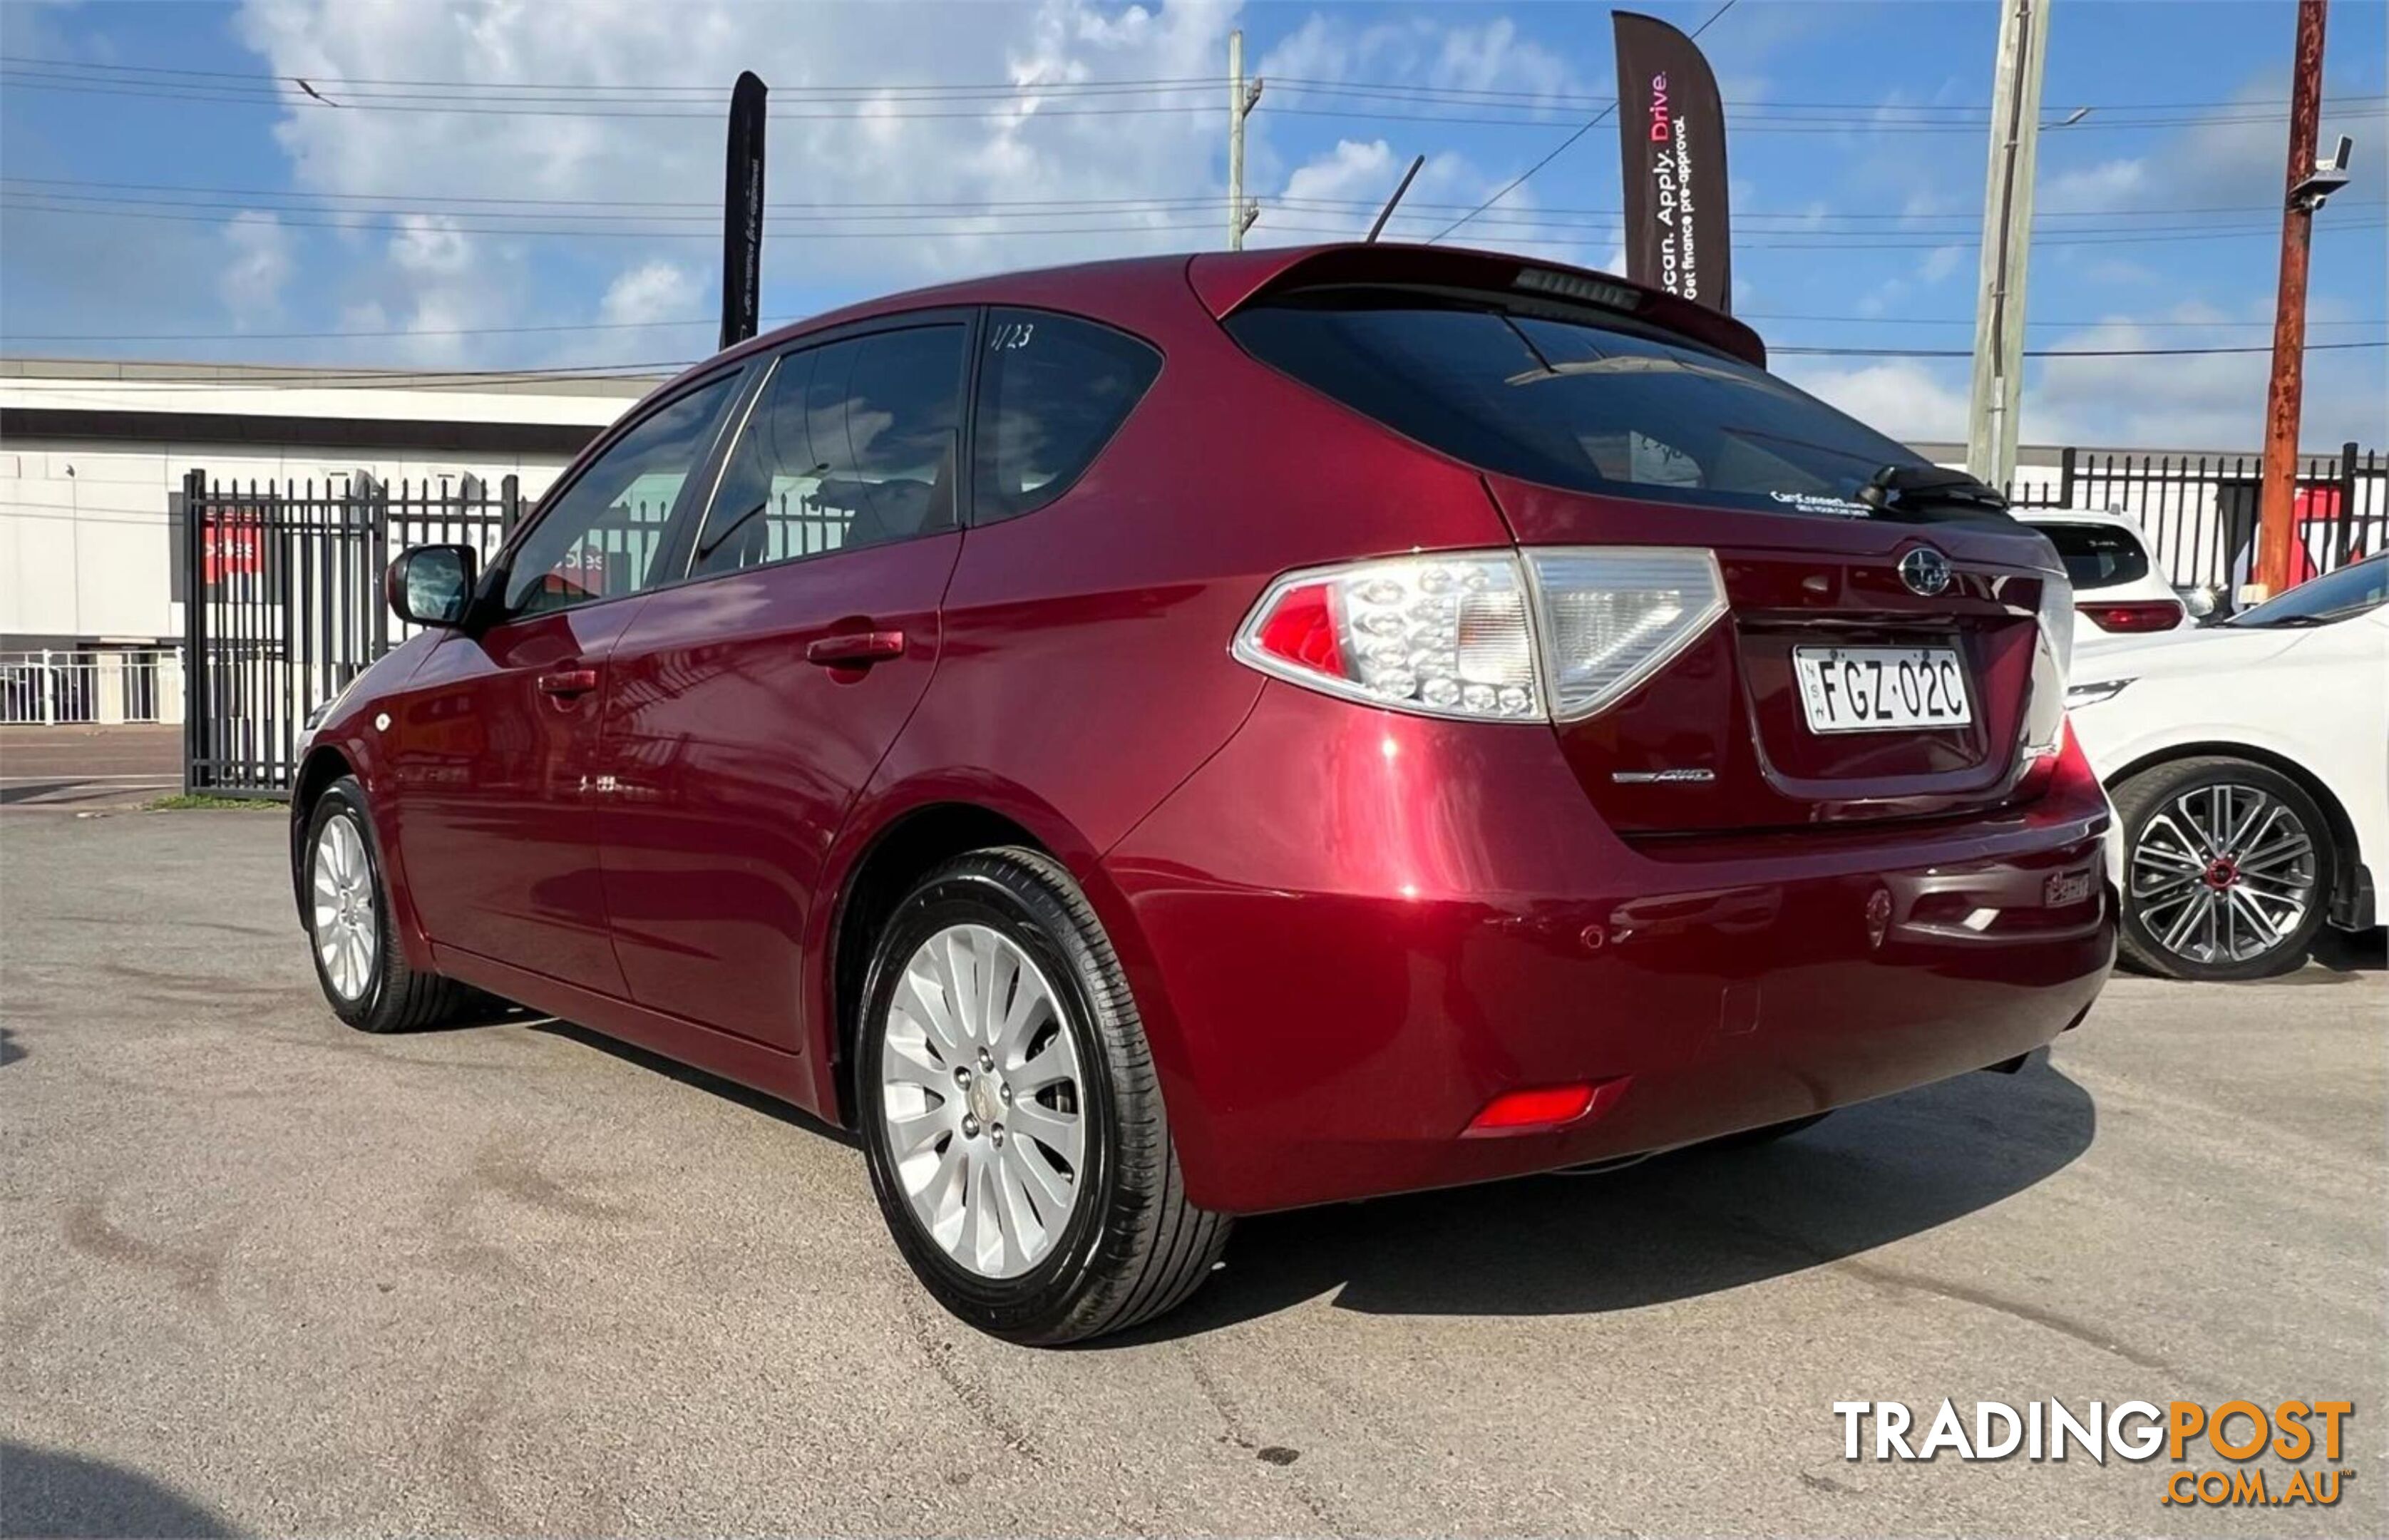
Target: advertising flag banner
{"points": [[1671, 139], [742, 213]]}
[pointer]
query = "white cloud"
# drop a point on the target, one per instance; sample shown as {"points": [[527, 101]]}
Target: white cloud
{"points": [[1032, 147], [1906, 398], [252, 279], [654, 290], [2212, 401]]}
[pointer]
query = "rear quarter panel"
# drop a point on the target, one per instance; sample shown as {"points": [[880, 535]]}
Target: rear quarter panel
{"points": [[1084, 671]]}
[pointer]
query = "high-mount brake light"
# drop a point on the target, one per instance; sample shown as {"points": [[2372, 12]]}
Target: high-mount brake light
{"points": [[1547, 633]]}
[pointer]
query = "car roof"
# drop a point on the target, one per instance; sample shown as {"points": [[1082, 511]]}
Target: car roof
{"points": [[1223, 281]]}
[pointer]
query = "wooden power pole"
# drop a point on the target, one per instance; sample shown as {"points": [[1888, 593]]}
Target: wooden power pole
{"points": [[2276, 526]]}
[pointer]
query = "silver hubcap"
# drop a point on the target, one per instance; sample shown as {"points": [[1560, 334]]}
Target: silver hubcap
{"points": [[979, 1083], [347, 931], [2223, 873]]}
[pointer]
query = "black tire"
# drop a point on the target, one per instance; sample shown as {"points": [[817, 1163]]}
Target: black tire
{"points": [[2140, 799], [394, 997], [1132, 1246], [1768, 1133]]}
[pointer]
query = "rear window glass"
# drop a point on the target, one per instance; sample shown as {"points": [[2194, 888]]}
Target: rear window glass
{"points": [[1572, 404], [2096, 555]]}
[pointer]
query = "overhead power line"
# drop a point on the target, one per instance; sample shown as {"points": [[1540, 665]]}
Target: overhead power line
{"points": [[769, 321], [386, 378], [1110, 98], [1519, 229], [1553, 154], [85, 189]]}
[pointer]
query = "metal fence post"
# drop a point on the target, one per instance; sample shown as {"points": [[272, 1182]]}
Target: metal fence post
{"points": [[2066, 476], [2345, 522], [194, 609], [509, 505], [377, 505]]}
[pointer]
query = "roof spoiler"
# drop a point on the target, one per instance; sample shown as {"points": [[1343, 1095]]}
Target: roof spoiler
{"points": [[1227, 281]]}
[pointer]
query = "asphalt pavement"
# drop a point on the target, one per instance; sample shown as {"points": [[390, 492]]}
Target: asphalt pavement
{"points": [[262, 1274]]}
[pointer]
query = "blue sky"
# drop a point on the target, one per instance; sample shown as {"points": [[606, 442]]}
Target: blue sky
{"points": [[363, 234]]}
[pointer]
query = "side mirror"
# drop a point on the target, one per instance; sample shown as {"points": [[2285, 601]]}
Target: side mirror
{"points": [[2200, 601], [432, 584]]}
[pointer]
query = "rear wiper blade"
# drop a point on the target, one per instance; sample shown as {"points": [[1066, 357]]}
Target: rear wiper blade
{"points": [[1899, 485]]}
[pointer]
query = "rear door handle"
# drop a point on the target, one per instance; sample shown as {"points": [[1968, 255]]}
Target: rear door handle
{"points": [[855, 649], [569, 682]]}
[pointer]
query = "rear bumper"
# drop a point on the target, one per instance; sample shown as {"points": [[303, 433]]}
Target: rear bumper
{"points": [[1354, 929]]}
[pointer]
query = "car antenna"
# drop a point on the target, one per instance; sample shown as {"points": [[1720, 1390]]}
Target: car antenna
{"points": [[1387, 211]]}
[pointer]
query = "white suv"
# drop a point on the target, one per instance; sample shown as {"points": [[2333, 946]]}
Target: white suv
{"points": [[2117, 589], [2249, 766]]}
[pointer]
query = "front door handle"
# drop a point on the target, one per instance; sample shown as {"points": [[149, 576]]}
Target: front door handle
{"points": [[855, 649], [569, 682]]}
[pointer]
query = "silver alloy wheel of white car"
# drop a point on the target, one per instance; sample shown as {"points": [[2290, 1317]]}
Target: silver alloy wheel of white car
{"points": [[980, 1082], [348, 920], [2223, 873]]}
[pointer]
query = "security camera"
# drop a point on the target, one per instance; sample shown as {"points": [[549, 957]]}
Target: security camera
{"points": [[2328, 178]]}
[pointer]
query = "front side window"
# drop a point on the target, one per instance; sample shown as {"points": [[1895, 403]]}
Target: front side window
{"points": [[1593, 407], [601, 538], [849, 444], [1053, 390]]}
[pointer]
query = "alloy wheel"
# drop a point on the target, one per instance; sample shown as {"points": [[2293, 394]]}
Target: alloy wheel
{"points": [[2223, 873], [984, 1124], [347, 926]]}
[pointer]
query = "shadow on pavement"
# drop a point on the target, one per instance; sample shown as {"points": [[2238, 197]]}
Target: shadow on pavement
{"points": [[728, 1090], [1694, 1223], [45, 1492]]}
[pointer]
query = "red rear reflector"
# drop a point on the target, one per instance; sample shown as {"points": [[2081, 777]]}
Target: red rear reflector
{"points": [[1527, 1111], [2138, 615], [1301, 629]]}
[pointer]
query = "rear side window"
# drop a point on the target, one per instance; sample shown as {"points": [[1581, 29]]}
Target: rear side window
{"points": [[1571, 403], [849, 444], [2096, 555], [1053, 390]]}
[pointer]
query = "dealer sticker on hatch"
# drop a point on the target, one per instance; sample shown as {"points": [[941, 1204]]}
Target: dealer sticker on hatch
{"points": [[1872, 689]]}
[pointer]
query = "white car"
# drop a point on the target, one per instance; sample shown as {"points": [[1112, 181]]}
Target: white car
{"points": [[2249, 766], [2118, 591]]}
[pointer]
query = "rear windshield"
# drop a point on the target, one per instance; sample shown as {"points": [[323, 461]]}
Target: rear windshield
{"points": [[2096, 555], [1592, 407]]}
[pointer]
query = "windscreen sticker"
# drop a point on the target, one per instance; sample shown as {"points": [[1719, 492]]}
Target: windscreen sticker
{"points": [[1819, 502]]}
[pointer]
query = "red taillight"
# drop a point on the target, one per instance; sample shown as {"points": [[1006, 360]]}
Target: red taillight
{"points": [[1300, 628], [1531, 1111], [2065, 762], [2135, 615]]}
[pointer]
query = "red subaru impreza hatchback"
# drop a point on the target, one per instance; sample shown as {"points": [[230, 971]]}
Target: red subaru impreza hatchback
{"points": [[1149, 742]]}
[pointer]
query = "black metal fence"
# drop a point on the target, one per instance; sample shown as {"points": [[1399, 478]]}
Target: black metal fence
{"points": [[284, 604], [2198, 512]]}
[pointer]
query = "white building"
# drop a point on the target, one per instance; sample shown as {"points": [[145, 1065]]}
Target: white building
{"points": [[93, 455]]}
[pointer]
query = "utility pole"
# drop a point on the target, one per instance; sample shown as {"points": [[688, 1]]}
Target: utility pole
{"points": [[1240, 100], [2007, 242], [2277, 529]]}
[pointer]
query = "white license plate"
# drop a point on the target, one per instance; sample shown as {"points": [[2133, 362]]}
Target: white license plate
{"points": [[1879, 689]]}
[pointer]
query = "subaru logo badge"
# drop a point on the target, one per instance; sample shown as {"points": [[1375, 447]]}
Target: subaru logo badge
{"points": [[1926, 571]]}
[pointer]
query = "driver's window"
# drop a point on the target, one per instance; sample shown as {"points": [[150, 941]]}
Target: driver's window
{"points": [[602, 538]]}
